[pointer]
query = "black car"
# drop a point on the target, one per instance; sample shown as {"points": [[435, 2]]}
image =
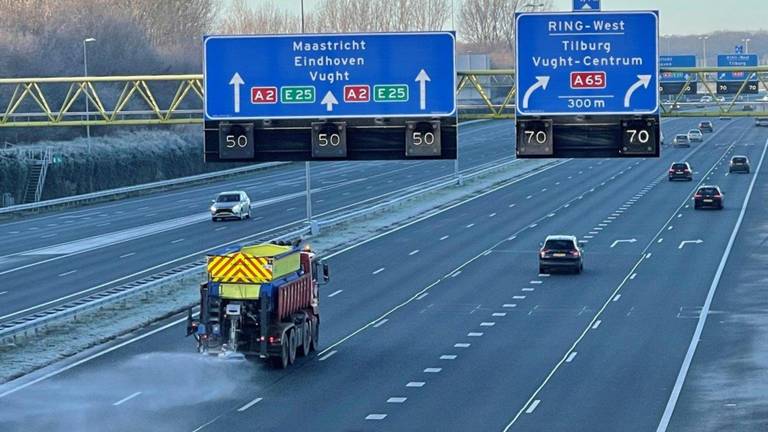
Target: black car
{"points": [[561, 252], [706, 126], [739, 164], [708, 196], [680, 171]]}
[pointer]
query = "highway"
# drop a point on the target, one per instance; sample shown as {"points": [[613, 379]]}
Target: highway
{"points": [[69, 253], [445, 323]]}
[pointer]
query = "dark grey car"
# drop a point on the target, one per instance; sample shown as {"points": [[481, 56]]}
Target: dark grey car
{"points": [[739, 164]]}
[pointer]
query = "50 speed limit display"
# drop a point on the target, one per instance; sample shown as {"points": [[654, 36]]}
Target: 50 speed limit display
{"points": [[329, 140], [236, 140]]}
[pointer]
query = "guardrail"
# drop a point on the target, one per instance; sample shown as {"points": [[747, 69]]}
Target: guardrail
{"points": [[131, 190], [30, 324]]}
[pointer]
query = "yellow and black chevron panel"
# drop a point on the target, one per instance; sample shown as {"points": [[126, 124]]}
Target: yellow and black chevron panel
{"points": [[239, 267]]}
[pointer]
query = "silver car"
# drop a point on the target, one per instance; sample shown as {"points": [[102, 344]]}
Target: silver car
{"points": [[695, 135], [231, 205]]}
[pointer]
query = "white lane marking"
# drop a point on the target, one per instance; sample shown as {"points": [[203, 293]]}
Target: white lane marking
{"points": [[511, 237], [177, 241], [422, 295], [413, 252], [670, 408], [648, 255], [128, 254], [618, 296], [598, 228], [669, 228], [594, 232], [470, 225], [492, 215], [680, 215], [511, 205], [557, 183], [534, 225], [596, 324], [461, 345], [397, 399], [685, 242], [13, 232], [488, 252], [589, 237], [433, 370], [126, 399], [67, 273], [48, 236], [544, 274], [535, 282], [602, 225], [509, 305], [3, 292], [499, 314], [375, 416], [528, 289], [448, 357], [529, 197], [378, 271], [456, 273], [220, 228], [518, 297], [325, 357], [661, 239], [634, 275], [487, 324], [335, 293], [415, 384], [567, 205], [533, 406], [444, 237], [381, 322], [551, 215], [249, 404], [570, 357], [474, 334]]}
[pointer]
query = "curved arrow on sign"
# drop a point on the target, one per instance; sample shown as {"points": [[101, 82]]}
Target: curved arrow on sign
{"points": [[642, 80], [541, 82]]}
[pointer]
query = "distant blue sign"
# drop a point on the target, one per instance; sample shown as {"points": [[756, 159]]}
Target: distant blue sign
{"points": [[586, 5], [329, 76], [677, 61], [739, 49], [587, 63], [735, 60]]}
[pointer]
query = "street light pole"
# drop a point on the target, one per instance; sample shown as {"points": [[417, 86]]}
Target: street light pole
{"points": [[746, 45], [87, 108], [704, 49]]}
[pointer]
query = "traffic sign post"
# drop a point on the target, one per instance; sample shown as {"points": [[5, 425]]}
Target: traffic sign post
{"points": [[368, 87], [581, 77], [674, 83], [731, 82]]}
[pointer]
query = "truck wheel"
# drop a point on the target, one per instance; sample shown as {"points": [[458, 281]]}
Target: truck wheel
{"points": [[306, 340], [282, 361], [292, 347], [315, 335]]}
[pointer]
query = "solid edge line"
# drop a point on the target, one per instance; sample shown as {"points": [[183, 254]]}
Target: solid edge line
{"points": [[670, 408]]}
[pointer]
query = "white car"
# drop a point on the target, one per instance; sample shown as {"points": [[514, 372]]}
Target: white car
{"points": [[231, 205], [695, 135]]}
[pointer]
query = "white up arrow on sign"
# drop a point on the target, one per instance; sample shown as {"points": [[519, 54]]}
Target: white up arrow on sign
{"points": [[541, 82], [329, 100], [237, 81], [422, 78], [642, 80]]}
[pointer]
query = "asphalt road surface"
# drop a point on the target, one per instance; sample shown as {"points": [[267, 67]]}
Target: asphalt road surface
{"points": [[445, 324]]}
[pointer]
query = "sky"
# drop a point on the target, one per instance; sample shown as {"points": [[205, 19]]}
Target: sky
{"points": [[678, 17]]}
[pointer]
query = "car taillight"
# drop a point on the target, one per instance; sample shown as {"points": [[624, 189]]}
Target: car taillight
{"points": [[697, 196], [671, 171], [574, 253], [544, 252], [686, 170], [716, 195]]}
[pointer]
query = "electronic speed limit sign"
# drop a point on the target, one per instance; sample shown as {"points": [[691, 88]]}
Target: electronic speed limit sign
{"points": [[236, 141], [639, 137], [422, 138], [329, 140], [534, 138]]}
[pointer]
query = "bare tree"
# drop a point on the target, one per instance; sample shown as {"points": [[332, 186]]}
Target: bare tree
{"points": [[240, 18], [379, 15], [491, 22]]}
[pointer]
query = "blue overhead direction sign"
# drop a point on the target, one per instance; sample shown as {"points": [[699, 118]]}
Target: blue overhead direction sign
{"points": [[586, 5], [587, 63], [677, 61], [309, 76], [735, 60]]}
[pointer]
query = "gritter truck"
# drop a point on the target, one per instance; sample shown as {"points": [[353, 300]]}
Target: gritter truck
{"points": [[260, 300]]}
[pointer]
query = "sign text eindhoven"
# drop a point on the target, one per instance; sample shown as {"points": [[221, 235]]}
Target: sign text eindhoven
{"points": [[329, 76], [587, 63]]}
